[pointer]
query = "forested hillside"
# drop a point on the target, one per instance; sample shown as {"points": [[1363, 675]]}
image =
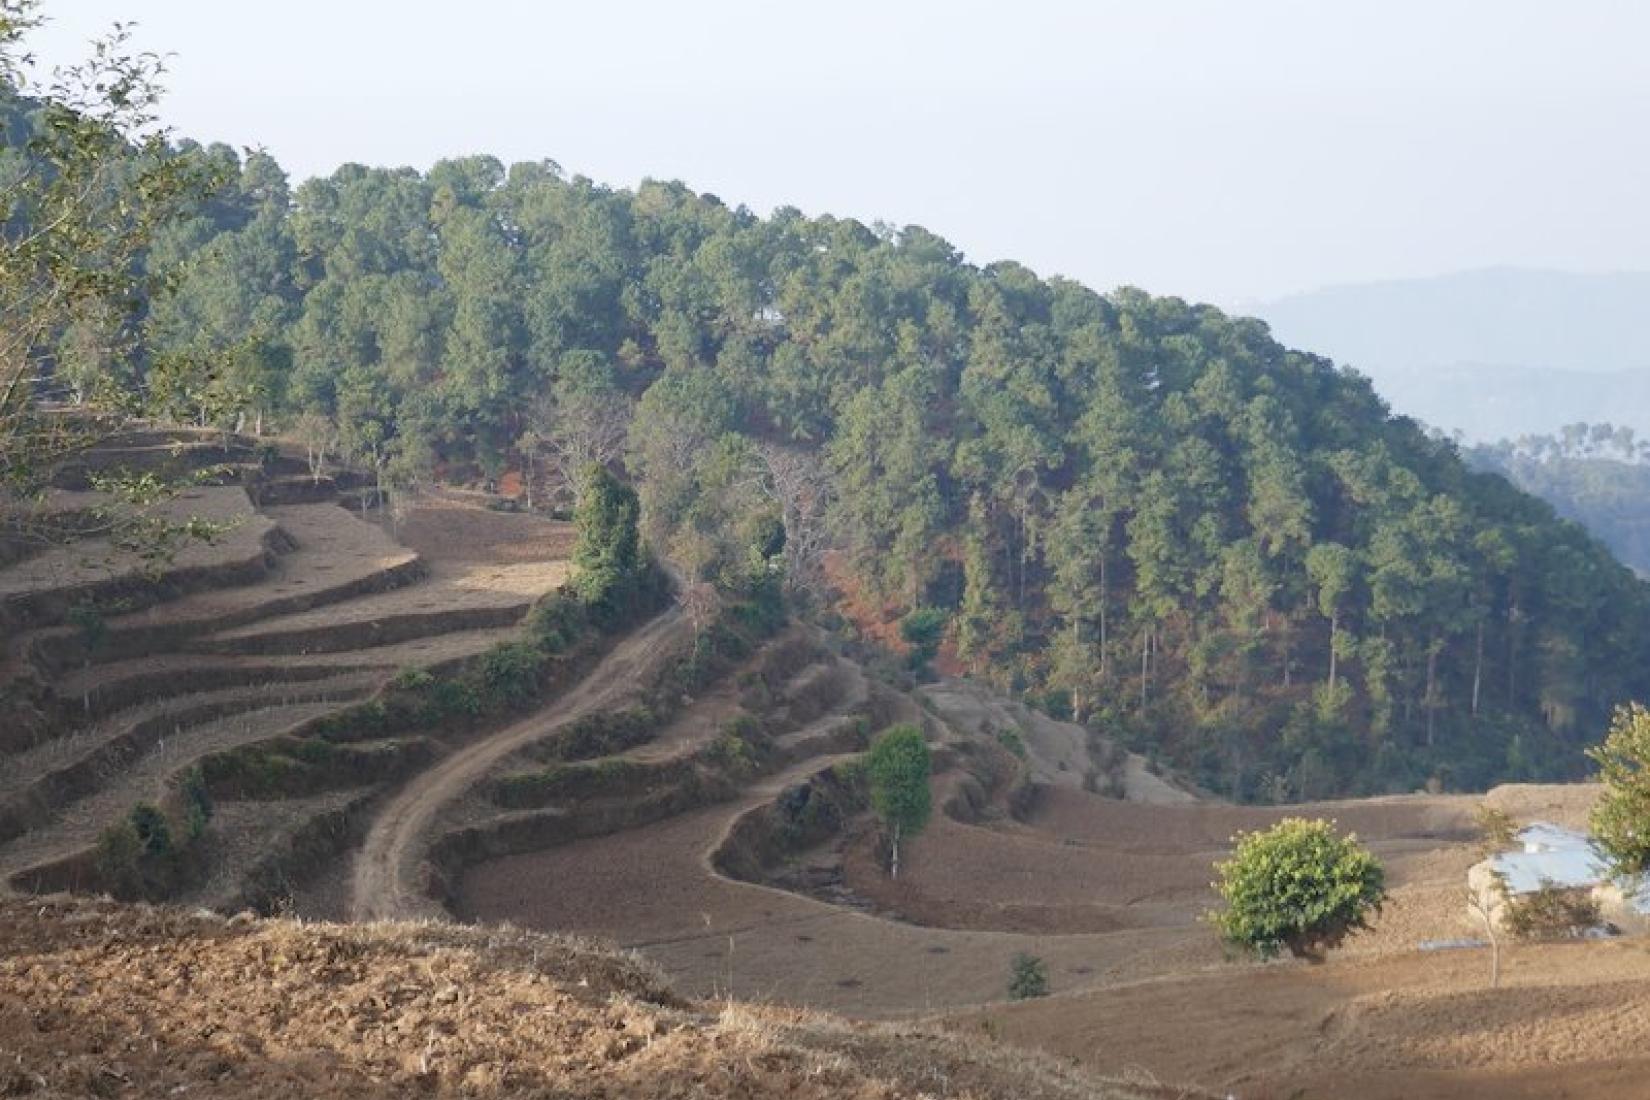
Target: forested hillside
{"points": [[1595, 474], [1143, 512]]}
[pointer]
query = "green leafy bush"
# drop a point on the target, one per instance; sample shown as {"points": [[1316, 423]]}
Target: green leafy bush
{"points": [[1621, 817], [411, 679], [1028, 978], [1299, 886], [510, 671], [153, 831]]}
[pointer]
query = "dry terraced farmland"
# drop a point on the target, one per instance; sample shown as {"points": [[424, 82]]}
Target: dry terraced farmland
{"points": [[697, 799]]}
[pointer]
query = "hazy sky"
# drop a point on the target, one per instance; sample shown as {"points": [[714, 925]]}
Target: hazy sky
{"points": [[1227, 150]]}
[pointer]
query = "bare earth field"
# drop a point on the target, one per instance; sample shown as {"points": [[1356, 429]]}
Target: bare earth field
{"points": [[1111, 894]]}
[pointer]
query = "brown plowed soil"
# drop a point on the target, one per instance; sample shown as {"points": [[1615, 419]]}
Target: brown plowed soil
{"points": [[98, 1000], [90, 561], [142, 676], [334, 550], [653, 888], [477, 561]]}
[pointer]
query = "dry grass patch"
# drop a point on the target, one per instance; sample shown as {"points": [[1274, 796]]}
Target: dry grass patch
{"points": [[99, 999]]}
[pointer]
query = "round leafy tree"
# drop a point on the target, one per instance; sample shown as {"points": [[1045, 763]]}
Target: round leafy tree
{"points": [[1299, 886], [898, 767], [1621, 817]]}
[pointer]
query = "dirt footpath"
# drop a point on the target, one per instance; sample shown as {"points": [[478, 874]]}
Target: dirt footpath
{"points": [[387, 882]]}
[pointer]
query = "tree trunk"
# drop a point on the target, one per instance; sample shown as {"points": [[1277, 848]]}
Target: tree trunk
{"points": [[1431, 701], [1495, 941], [1103, 638], [1285, 650], [1478, 668], [1145, 657], [1334, 632], [893, 862]]}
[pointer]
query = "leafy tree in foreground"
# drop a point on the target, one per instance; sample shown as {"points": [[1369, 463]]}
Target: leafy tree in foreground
{"points": [[1299, 886], [899, 767], [1621, 818], [86, 179]]}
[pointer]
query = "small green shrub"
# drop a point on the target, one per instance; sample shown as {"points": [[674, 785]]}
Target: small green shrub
{"points": [[411, 680], [735, 747], [1497, 831], [452, 698], [1552, 913], [1011, 740], [606, 733], [119, 853], [1299, 886], [510, 672], [921, 629], [556, 621], [851, 774], [197, 803], [1028, 978], [154, 832]]}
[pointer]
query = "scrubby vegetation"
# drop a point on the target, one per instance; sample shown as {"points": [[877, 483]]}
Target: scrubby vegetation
{"points": [[1497, 831], [1297, 885], [1552, 912], [151, 851]]}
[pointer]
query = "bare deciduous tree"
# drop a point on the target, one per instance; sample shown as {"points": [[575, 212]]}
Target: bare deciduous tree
{"points": [[319, 436], [570, 434], [800, 483]]}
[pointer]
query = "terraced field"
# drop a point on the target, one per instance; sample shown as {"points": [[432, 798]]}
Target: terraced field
{"points": [[296, 611]]}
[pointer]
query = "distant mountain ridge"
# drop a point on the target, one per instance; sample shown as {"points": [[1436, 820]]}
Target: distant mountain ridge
{"points": [[1514, 316], [1492, 353]]}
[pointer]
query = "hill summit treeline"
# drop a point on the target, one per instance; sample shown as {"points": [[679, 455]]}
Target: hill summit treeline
{"points": [[1145, 513]]}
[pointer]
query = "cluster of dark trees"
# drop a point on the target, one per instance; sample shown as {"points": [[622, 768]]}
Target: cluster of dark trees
{"points": [[1146, 514], [1595, 474]]}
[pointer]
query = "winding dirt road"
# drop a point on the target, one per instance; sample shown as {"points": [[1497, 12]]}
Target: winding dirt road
{"points": [[385, 882]]}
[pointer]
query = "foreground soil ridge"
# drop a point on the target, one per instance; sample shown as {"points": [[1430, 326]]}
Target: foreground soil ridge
{"points": [[99, 998]]}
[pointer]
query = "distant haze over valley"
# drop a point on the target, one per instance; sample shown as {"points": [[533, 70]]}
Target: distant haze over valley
{"points": [[1492, 353]]}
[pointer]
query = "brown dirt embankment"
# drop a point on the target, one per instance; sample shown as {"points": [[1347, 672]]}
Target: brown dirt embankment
{"points": [[98, 999]]}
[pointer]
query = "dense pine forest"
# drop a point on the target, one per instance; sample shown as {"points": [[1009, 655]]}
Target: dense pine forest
{"points": [[1595, 474], [1142, 513]]}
